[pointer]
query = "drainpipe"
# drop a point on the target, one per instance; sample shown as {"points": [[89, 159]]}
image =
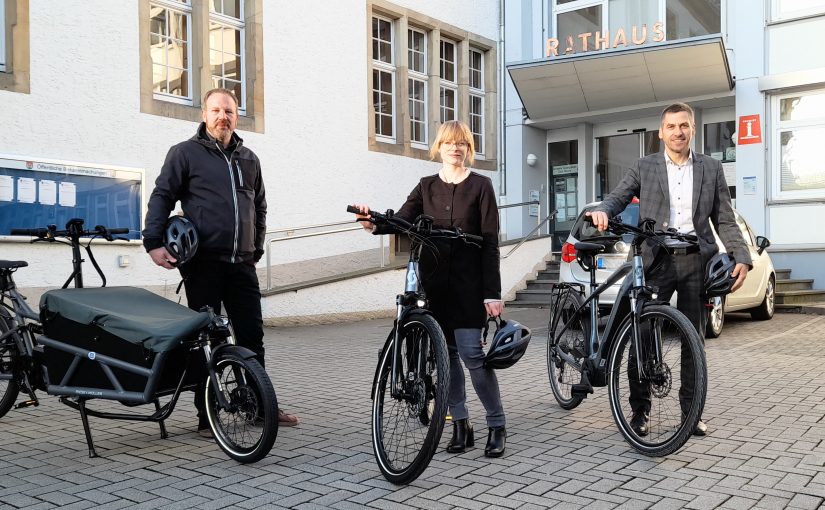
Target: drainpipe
{"points": [[502, 124]]}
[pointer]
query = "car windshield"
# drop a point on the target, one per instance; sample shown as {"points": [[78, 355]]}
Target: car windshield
{"points": [[584, 230]]}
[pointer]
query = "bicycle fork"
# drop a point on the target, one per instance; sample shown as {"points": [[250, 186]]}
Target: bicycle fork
{"points": [[635, 311]]}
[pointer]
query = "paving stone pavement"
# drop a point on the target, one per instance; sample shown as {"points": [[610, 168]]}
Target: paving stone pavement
{"points": [[765, 449]]}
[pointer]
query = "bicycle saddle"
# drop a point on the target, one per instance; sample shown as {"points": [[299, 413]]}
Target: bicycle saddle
{"points": [[589, 248], [12, 264]]}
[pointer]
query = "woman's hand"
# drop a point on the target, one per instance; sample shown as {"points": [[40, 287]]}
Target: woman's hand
{"points": [[368, 226], [494, 308]]}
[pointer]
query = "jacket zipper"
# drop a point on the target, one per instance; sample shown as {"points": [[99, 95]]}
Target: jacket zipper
{"points": [[234, 200], [240, 174]]}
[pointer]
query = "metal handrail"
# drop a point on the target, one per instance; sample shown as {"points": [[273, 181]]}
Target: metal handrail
{"points": [[531, 202], [535, 229], [313, 234]]}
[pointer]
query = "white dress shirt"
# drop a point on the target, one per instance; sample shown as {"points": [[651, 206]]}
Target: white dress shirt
{"points": [[680, 187]]}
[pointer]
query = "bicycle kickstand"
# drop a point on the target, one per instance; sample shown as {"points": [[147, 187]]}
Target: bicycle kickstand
{"points": [[84, 417], [163, 434]]}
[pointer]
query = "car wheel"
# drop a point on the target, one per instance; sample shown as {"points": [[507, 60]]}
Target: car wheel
{"points": [[716, 318], [765, 310]]}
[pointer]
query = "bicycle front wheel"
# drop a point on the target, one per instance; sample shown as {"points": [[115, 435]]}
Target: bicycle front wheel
{"points": [[565, 350], [669, 382], [408, 414], [9, 356], [247, 429]]}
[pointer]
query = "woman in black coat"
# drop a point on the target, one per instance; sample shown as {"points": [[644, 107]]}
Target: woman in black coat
{"points": [[461, 281]]}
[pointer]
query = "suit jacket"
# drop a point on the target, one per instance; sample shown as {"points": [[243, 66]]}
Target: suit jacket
{"points": [[648, 180]]}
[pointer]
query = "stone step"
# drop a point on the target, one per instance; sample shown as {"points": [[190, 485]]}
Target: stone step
{"points": [[787, 284], [541, 284], [802, 297], [533, 295], [782, 274], [529, 304], [545, 275]]}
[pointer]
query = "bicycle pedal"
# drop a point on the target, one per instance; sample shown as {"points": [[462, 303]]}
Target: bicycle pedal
{"points": [[581, 390], [27, 403]]}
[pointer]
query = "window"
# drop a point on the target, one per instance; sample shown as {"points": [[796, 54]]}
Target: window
{"points": [[586, 25], [799, 121], [719, 141], [477, 100], [170, 47], [226, 48], [789, 9], [422, 72], [193, 46], [383, 79], [417, 85], [14, 46], [449, 86]]}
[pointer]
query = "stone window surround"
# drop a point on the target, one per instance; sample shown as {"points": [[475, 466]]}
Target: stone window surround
{"points": [[201, 77], [404, 18], [16, 77]]}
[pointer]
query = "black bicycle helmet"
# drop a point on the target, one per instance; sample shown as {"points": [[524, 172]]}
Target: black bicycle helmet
{"points": [[509, 343], [718, 280], [180, 238]]}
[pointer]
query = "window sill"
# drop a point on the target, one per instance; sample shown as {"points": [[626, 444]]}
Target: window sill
{"points": [[14, 82]]}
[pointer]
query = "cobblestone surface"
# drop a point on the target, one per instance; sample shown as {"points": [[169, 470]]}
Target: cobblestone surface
{"points": [[765, 449]]}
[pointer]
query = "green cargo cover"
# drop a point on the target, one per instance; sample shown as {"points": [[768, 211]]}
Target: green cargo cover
{"points": [[134, 314]]}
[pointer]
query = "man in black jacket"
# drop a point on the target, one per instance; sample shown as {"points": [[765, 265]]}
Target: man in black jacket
{"points": [[219, 184]]}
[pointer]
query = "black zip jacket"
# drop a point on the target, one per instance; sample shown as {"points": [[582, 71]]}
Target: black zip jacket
{"points": [[222, 193]]}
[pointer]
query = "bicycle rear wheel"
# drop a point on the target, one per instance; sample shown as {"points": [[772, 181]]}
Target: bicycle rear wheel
{"points": [[247, 430], [9, 356], [564, 346], [407, 427], [672, 381]]}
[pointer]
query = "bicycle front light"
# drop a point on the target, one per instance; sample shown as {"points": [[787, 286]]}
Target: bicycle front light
{"points": [[421, 303]]}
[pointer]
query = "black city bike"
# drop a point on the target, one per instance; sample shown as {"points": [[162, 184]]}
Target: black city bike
{"points": [[409, 390], [129, 345], [645, 343]]}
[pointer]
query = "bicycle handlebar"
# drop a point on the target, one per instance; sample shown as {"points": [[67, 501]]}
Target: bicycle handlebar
{"points": [[645, 230], [388, 218], [73, 230]]}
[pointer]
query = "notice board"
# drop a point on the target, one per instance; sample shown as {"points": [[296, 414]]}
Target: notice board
{"points": [[36, 193]]}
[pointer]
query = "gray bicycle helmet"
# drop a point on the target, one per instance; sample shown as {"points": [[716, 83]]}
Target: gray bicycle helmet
{"points": [[718, 280], [180, 238], [509, 343]]}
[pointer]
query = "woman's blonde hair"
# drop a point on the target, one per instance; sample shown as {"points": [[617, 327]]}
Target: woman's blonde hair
{"points": [[454, 131]]}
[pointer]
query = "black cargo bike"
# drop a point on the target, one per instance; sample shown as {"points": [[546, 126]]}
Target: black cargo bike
{"points": [[126, 344]]}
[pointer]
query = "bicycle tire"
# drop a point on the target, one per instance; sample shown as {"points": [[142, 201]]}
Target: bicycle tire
{"points": [[9, 356], [406, 430], [669, 425], [247, 432], [562, 374]]}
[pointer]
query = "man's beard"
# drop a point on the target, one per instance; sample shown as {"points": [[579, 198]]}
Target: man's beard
{"points": [[221, 133]]}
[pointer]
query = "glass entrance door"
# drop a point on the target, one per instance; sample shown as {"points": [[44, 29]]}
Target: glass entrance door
{"points": [[618, 153]]}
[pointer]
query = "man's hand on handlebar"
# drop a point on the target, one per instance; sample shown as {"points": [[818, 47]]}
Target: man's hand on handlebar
{"points": [[599, 219], [162, 258]]}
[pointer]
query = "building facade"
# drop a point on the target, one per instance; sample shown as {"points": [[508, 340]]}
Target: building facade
{"points": [[586, 81], [340, 101]]}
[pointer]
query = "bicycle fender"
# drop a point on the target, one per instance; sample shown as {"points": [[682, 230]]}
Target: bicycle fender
{"points": [[387, 345], [224, 349]]}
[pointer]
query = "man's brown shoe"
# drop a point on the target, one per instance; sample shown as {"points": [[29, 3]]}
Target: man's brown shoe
{"points": [[701, 429], [287, 420]]}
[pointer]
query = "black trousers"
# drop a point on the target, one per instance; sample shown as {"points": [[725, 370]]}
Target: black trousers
{"points": [[233, 287], [683, 274]]}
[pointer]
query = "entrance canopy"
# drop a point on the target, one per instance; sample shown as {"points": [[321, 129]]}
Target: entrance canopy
{"points": [[583, 85]]}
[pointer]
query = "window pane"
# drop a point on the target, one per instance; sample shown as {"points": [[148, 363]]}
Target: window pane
{"points": [[177, 55], [447, 61], [690, 18], [235, 87], [177, 26], [232, 8], [232, 67], [178, 82], [803, 107], [157, 20], [215, 36], [719, 141], [416, 51], [231, 41], [385, 51], [386, 125], [475, 70], [801, 159], [385, 30], [629, 13], [573, 23], [159, 78], [216, 6], [157, 49], [216, 62], [795, 8]]}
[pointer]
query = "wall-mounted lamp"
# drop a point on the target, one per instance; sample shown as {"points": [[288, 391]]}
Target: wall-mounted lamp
{"points": [[532, 160]]}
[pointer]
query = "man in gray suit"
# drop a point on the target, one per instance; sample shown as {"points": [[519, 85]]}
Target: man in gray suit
{"points": [[683, 190]]}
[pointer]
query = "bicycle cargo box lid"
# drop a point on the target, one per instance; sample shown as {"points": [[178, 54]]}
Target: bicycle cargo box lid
{"points": [[131, 313]]}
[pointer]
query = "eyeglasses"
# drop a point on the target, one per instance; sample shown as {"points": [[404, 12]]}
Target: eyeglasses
{"points": [[460, 145]]}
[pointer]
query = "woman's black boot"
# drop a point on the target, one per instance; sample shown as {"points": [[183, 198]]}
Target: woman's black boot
{"points": [[495, 442], [462, 436]]}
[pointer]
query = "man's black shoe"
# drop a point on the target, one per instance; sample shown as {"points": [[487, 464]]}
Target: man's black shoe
{"points": [[639, 424], [701, 429]]}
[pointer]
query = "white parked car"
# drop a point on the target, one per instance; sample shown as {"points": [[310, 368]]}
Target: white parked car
{"points": [[756, 295]]}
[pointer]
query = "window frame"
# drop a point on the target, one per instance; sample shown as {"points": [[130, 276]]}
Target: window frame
{"points": [[183, 7], [419, 77], [777, 128], [776, 12], [3, 55], [391, 69], [446, 85], [477, 92], [230, 22]]}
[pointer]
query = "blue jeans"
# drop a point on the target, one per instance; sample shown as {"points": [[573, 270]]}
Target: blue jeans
{"points": [[465, 345]]}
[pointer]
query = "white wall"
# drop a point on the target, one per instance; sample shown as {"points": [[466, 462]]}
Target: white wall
{"points": [[84, 107]]}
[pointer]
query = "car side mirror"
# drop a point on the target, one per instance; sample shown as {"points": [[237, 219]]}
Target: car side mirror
{"points": [[762, 242]]}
